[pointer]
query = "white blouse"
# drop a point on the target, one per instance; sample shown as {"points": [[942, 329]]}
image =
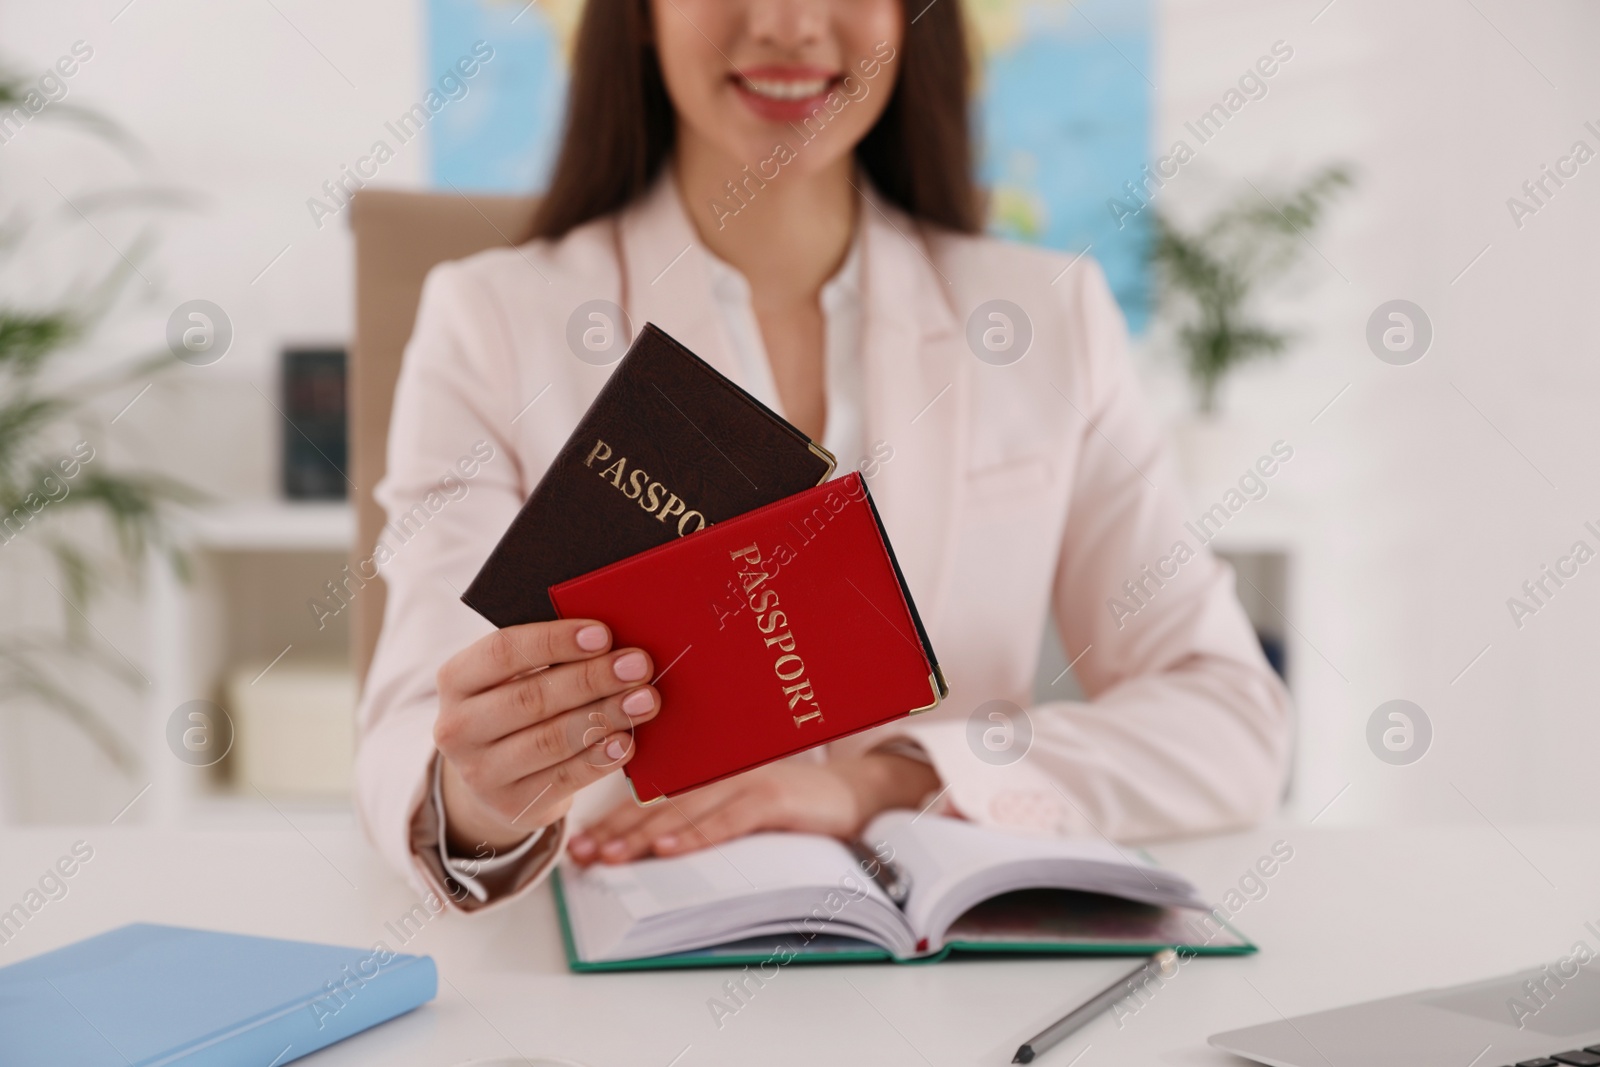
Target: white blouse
{"points": [[845, 433]]}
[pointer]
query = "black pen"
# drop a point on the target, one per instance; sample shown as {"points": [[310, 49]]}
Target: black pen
{"points": [[1162, 965]]}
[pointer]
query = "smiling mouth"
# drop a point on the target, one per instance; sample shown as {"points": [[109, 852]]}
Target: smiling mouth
{"points": [[785, 90]]}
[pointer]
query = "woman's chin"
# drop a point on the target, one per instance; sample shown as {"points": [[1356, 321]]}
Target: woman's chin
{"points": [[772, 151]]}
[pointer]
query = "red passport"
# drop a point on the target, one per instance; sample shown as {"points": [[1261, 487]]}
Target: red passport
{"points": [[782, 629]]}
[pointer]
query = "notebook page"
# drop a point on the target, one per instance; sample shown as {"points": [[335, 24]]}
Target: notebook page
{"points": [[953, 864], [708, 896]]}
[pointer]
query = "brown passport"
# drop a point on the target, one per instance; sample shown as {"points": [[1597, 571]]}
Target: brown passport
{"points": [[668, 447]]}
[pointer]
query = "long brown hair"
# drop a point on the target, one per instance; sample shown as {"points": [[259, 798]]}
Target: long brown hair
{"points": [[620, 126]]}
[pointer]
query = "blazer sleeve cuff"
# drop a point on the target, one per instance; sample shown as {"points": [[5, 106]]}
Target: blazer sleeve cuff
{"points": [[473, 884], [998, 788]]}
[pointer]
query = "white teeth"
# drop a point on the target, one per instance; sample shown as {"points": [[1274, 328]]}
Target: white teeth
{"points": [[786, 90]]}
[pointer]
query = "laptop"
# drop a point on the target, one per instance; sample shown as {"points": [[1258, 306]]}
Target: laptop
{"points": [[1547, 1017]]}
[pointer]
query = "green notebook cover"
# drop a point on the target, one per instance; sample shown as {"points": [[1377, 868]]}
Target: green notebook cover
{"points": [[828, 948]]}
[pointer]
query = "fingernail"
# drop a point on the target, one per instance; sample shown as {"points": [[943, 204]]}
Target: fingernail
{"points": [[639, 702], [631, 667], [592, 638], [581, 845], [615, 749], [666, 842], [612, 848]]}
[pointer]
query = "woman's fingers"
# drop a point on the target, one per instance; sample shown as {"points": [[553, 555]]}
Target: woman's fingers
{"points": [[629, 831], [585, 845], [492, 716], [722, 824], [669, 820], [579, 732], [541, 797], [594, 763], [531, 714], [516, 650]]}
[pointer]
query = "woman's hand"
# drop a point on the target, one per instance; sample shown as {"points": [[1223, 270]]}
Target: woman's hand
{"points": [[527, 717], [837, 798]]}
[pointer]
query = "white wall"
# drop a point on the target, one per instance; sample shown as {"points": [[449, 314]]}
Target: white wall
{"points": [[1418, 515]]}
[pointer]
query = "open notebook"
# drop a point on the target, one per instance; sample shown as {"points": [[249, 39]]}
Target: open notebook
{"points": [[781, 897]]}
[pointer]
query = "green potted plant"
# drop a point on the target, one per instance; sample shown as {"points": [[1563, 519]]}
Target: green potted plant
{"points": [[66, 512], [1210, 277]]}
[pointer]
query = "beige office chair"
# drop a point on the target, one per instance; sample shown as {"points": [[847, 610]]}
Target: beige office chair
{"points": [[399, 238]]}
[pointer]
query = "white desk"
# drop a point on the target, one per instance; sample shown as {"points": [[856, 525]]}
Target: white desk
{"points": [[1354, 914]]}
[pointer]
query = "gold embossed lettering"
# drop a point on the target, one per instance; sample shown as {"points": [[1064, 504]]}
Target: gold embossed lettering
{"points": [[635, 483], [799, 691], [614, 472], [789, 667], [673, 506]]}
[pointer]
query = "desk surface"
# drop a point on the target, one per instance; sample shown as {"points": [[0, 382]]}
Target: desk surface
{"points": [[1354, 914]]}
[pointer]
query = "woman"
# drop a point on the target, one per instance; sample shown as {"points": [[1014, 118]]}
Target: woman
{"points": [[786, 187]]}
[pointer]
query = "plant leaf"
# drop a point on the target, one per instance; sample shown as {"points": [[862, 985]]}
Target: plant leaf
{"points": [[23, 676]]}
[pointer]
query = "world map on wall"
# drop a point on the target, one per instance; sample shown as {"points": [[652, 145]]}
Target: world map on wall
{"points": [[1064, 105]]}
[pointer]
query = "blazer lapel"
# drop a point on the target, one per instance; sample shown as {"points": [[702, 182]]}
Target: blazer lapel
{"points": [[666, 277], [916, 388]]}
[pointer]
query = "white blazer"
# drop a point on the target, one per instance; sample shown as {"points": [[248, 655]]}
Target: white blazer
{"points": [[1012, 491]]}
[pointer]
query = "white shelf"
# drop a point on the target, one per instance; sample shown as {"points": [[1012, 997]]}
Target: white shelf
{"points": [[274, 526], [191, 624]]}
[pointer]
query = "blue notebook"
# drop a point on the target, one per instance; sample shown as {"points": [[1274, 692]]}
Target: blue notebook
{"points": [[146, 996]]}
